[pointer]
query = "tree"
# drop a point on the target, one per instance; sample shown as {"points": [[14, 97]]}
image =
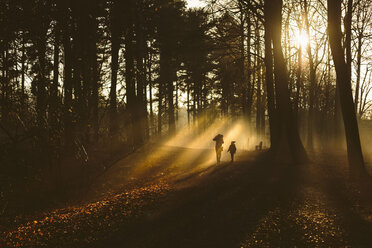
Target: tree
{"points": [[313, 80], [354, 149], [38, 27], [287, 144], [195, 48], [269, 78], [360, 27], [169, 21], [115, 46]]}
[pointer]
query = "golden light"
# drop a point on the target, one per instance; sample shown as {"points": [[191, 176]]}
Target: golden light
{"points": [[195, 4], [198, 146], [301, 38], [189, 151]]}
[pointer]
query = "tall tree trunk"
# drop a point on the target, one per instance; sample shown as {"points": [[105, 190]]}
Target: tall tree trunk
{"points": [[94, 99], [167, 41], [259, 84], [270, 81], [5, 83], [326, 113], [188, 104], [242, 81], [176, 102], [141, 113], [130, 72], [81, 73], [250, 86], [23, 68], [347, 26], [290, 147], [54, 89], [160, 107], [77, 68], [298, 82], [359, 62], [166, 80], [263, 124], [354, 149], [171, 109], [41, 96], [149, 65], [68, 80], [313, 82], [115, 46]]}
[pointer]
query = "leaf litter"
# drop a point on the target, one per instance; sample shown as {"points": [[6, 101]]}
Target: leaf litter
{"points": [[82, 225]]}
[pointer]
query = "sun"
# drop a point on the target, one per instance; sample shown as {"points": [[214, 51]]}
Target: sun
{"points": [[301, 38], [195, 4]]}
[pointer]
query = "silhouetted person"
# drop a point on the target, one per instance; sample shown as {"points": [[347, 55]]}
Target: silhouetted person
{"points": [[232, 150], [219, 148]]}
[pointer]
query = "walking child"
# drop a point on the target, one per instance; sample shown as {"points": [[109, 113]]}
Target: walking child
{"points": [[232, 150]]}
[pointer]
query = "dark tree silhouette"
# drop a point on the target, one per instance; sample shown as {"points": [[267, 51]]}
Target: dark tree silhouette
{"points": [[287, 144], [83, 83], [354, 149]]}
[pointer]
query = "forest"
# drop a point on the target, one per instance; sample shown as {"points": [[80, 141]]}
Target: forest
{"points": [[94, 88]]}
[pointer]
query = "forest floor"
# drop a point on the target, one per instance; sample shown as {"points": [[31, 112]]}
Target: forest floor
{"points": [[164, 196]]}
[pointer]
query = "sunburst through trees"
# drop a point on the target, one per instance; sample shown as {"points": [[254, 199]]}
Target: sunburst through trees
{"points": [[86, 83]]}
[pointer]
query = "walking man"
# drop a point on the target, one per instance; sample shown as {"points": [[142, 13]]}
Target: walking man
{"points": [[219, 141]]}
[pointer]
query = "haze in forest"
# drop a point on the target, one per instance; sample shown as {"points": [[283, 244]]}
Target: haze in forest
{"points": [[106, 97]]}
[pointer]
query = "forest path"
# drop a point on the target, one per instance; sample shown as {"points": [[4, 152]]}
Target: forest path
{"points": [[178, 197], [155, 163], [253, 203]]}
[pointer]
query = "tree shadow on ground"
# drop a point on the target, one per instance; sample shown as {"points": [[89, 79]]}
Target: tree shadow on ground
{"points": [[226, 204], [348, 196]]}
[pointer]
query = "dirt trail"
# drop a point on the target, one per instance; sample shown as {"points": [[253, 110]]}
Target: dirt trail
{"points": [[165, 196], [254, 203], [158, 163]]}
